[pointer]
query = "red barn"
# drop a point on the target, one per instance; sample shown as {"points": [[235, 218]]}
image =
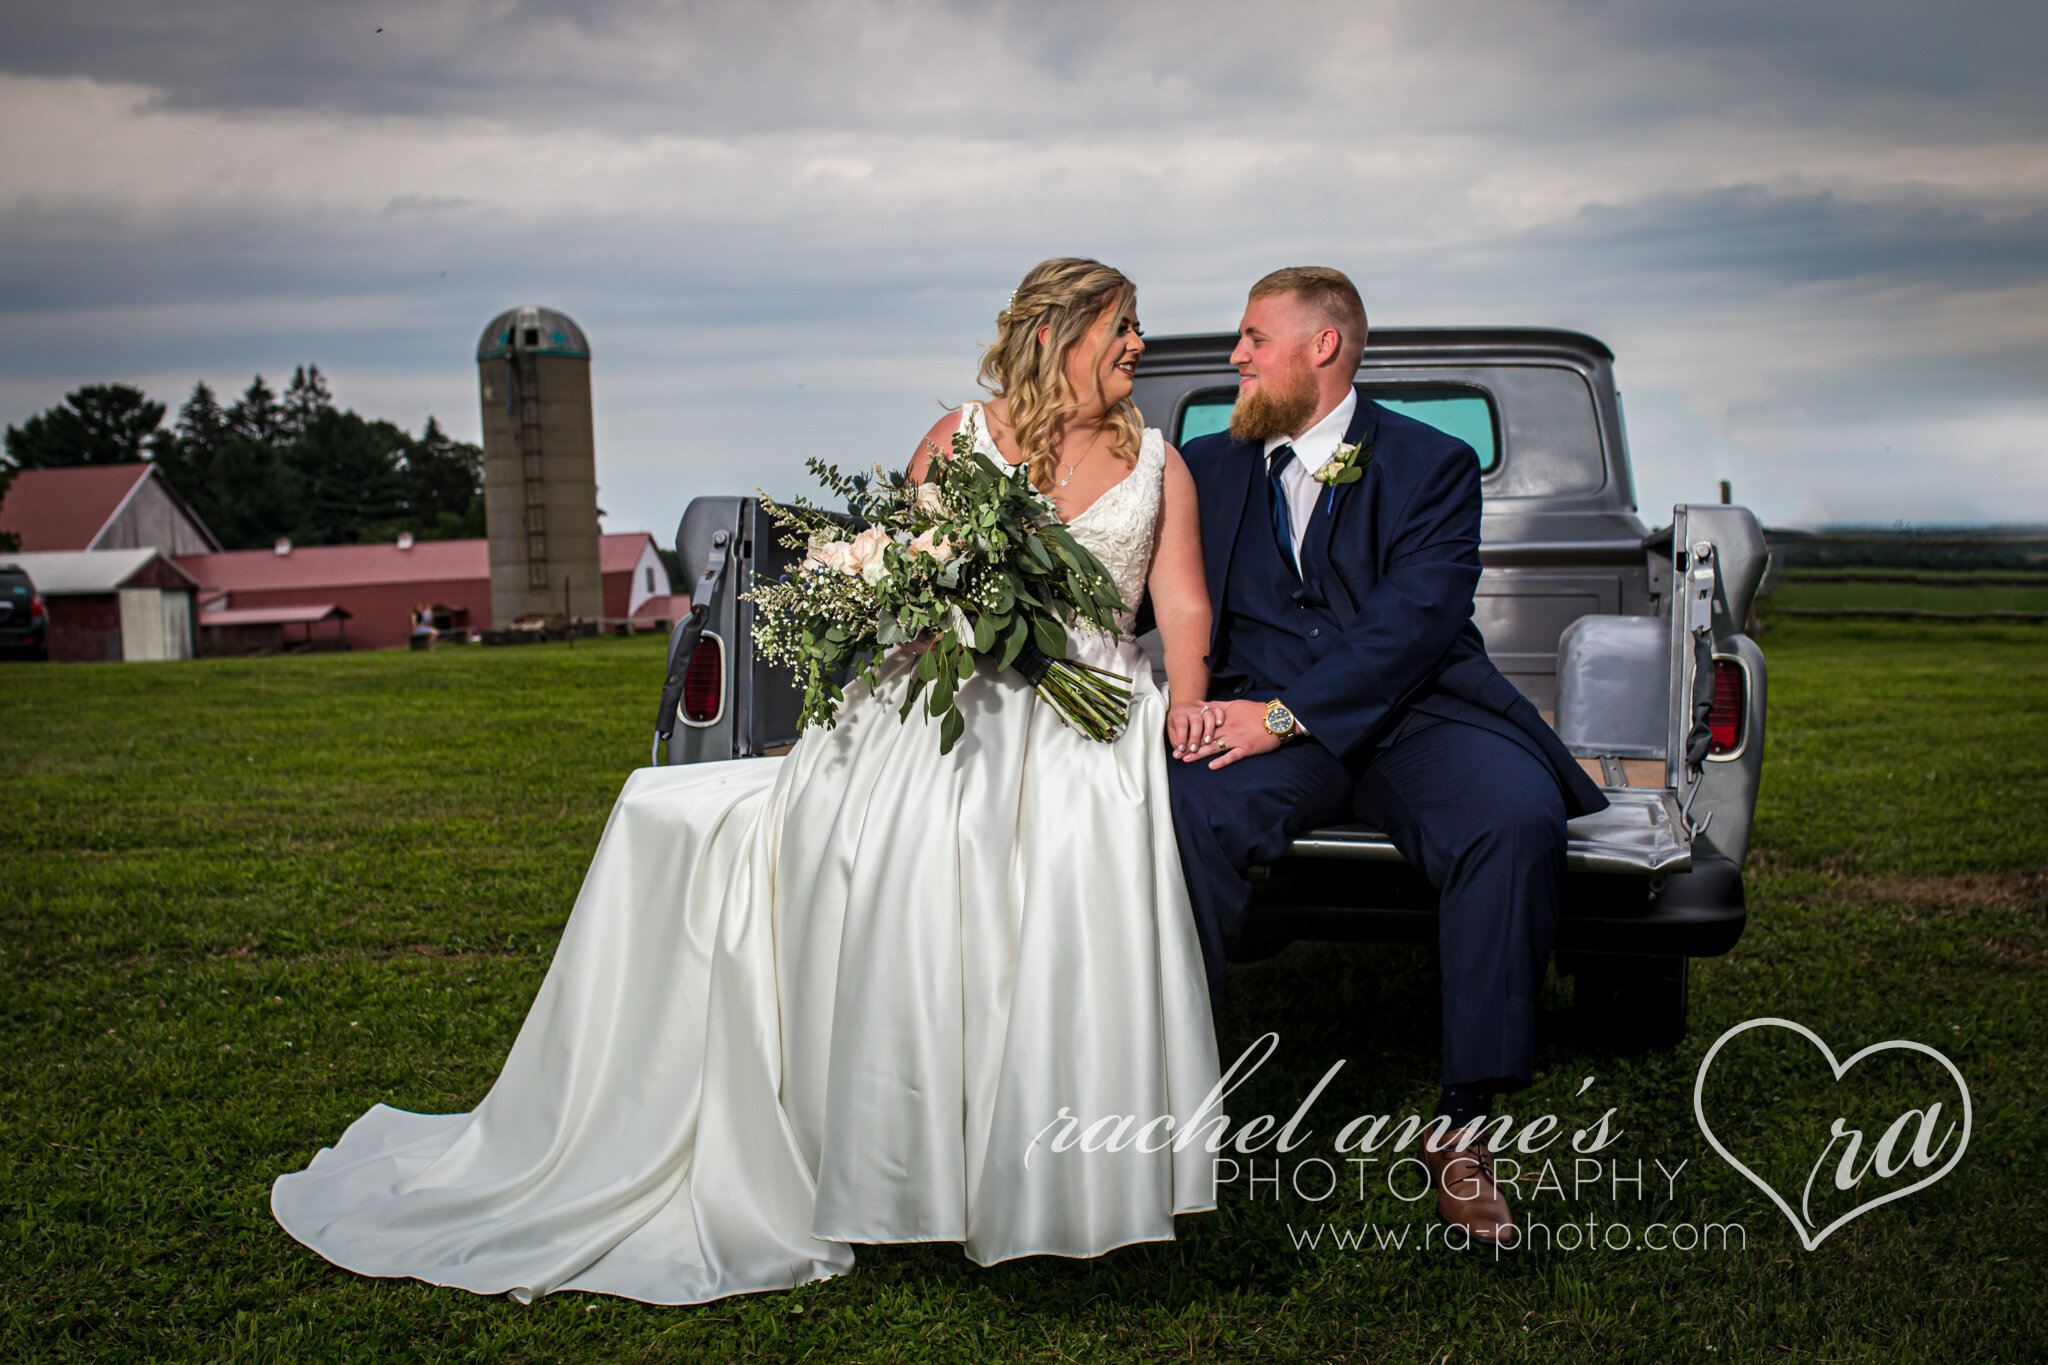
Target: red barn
{"points": [[373, 587], [102, 507], [378, 586], [633, 573], [111, 606]]}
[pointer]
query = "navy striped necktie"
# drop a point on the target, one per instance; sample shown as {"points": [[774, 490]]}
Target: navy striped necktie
{"points": [[1283, 518]]}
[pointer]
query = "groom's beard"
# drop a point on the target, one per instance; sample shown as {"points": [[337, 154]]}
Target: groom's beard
{"points": [[1269, 410]]}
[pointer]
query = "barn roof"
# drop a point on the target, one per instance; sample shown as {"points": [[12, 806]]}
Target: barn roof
{"points": [[347, 566], [274, 616], [66, 509], [70, 509], [618, 553], [341, 566], [83, 573]]}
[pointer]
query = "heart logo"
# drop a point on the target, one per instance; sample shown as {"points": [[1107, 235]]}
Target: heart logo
{"points": [[1801, 1226]]}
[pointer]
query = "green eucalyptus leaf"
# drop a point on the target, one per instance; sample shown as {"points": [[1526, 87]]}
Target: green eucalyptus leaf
{"points": [[1049, 636], [1015, 636]]}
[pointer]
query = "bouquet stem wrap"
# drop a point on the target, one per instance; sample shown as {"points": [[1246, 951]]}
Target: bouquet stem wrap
{"points": [[1092, 700]]}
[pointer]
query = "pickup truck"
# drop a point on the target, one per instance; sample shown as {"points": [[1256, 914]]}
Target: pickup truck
{"points": [[1629, 640]]}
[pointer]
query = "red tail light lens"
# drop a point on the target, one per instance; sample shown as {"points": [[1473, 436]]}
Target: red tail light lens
{"points": [[704, 684], [35, 607], [1725, 720]]}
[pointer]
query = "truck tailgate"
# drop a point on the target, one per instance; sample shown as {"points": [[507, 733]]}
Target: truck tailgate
{"points": [[1637, 835]]}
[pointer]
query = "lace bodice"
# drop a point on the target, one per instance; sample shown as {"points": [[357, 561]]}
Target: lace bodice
{"points": [[1120, 528]]}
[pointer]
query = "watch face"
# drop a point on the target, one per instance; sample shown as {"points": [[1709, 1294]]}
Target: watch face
{"points": [[1279, 719]]}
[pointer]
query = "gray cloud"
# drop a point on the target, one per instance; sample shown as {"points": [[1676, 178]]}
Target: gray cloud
{"points": [[1036, 65], [1798, 225]]}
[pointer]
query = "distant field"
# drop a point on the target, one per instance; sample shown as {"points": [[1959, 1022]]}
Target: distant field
{"points": [[1921, 590], [242, 901]]}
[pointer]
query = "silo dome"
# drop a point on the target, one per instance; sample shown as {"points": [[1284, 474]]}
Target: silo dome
{"points": [[532, 330]]}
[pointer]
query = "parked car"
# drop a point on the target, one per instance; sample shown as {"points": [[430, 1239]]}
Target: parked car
{"points": [[24, 620], [1628, 639]]}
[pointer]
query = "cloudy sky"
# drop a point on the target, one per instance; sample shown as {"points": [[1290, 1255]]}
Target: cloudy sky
{"points": [[1815, 234]]}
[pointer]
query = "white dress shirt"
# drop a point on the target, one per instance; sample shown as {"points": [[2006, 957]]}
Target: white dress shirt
{"points": [[1312, 450]]}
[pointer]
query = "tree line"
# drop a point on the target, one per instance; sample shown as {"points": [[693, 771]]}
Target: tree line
{"points": [[269, 464]]}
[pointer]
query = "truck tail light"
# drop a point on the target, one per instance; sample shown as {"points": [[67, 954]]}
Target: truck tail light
{"points": [[35, 607], [704, 684], [1725, 720]]}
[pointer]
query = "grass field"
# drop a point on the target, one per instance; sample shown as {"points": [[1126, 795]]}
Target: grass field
{"points": [[1919, 590], [243, 901]]}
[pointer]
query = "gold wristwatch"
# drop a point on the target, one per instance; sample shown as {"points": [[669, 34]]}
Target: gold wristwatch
{"points": [[1280, 721]]}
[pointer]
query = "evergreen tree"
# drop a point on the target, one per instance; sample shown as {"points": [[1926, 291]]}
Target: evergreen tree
{"points": [[305, 400], [95, 425], [256, 415], [444, 485], [191, 454], [262, 466], [349, 484]]}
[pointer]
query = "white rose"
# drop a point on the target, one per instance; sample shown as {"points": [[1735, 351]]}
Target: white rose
{"points": [[930, 499]]}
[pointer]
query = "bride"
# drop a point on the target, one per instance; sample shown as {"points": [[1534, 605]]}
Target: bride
{"points": [[835, 997]]}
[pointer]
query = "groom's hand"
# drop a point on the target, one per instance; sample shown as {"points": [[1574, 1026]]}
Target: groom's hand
{"points": [[1243, 732]]}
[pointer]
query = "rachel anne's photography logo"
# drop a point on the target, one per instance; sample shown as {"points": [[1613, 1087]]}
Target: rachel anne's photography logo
{"points": [[1918, 1138]]}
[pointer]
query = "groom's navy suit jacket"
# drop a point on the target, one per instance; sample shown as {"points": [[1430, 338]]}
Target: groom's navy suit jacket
{"points": [[1381, 629]]}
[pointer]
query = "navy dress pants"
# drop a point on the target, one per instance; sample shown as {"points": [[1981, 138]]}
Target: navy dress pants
{"points": [[1477, 814]]}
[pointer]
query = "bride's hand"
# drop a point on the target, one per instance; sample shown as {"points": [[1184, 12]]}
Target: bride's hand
{"points": [[1191, 728], [922, 643]]}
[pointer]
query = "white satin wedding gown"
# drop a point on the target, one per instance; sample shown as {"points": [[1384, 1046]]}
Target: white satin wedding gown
{"points": [[831, 998]]}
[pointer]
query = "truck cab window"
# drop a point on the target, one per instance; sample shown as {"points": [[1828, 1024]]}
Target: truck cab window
{"points": [[1464, 413]]}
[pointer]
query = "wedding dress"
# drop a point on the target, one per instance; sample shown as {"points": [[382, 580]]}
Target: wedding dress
{"points": [[839, 996]]}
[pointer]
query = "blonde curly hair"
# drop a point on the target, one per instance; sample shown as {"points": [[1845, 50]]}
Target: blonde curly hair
{"points": [[1066, 294]]}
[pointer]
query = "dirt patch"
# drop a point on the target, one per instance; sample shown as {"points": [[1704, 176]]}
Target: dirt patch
{"points": [[2015, 952], [2021, 892]]}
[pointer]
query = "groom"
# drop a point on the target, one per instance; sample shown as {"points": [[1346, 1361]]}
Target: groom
{"points": [[1342, 547]]}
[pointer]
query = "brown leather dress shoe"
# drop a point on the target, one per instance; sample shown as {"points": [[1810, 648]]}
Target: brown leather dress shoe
{"points": [[1466, 1195]]}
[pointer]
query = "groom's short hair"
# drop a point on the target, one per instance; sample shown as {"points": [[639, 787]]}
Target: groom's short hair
{"points": [[1326, 292]]}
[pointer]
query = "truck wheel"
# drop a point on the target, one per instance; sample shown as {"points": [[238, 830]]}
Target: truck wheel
{"points": [[1629, 1004]]}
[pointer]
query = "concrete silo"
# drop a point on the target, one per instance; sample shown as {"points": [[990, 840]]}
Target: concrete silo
{"points": [[540, 466]]}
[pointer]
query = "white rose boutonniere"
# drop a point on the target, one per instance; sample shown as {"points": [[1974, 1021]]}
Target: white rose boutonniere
{"points": [[1347, 465]]}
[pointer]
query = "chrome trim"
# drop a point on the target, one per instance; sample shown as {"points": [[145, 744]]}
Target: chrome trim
{"points": [[1748, 695], [724, 683]]}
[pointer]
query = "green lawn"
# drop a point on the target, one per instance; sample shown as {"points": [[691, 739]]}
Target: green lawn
{"points": [[1919, 591], [243, 901]]}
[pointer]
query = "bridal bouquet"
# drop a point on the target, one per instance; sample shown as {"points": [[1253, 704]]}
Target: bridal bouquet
{"points": [[973, 559]]}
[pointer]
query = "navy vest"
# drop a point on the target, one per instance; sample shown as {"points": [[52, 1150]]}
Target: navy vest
{"points": [[1273, 628]]}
